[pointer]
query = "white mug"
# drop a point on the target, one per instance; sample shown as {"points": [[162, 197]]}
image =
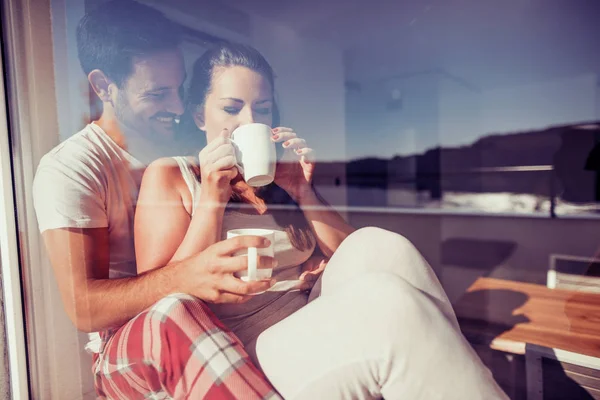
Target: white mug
{"points": [[253, 273], [255, 153]]}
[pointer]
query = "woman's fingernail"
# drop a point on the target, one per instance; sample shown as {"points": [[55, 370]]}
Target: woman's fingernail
{"points": [[272, 282], [275, 130], [286, 144], [275, 137], [298, 151], [266, 242]]}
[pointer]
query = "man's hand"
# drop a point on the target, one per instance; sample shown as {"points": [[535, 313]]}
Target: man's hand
{"points": [[209, 275]]}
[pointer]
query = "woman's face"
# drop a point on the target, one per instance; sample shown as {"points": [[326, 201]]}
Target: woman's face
{"points": [[238, 96]]}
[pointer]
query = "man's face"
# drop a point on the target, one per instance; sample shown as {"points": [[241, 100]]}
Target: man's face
{"points": [[150, 100]]}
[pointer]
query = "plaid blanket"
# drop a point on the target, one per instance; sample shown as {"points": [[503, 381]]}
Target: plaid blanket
{"points": [[177, 349]]}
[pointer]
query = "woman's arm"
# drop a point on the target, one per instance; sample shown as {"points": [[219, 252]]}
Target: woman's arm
{"points": [[294, 174], [164, 230], [327, 224]]}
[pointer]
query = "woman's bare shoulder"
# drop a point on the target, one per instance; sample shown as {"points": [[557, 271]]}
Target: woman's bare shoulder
{"points": [[163, 168], [164, 179], [163, 174]]}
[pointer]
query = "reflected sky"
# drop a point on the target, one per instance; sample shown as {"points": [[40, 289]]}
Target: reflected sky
{"points": [[417, 73], [468, 68]]}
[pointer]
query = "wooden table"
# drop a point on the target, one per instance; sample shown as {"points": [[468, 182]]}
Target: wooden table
{"points": [[514, 317]]}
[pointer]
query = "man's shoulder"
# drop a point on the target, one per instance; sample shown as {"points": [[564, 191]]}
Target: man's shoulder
{"points": [[85, 149], [70, 184]]}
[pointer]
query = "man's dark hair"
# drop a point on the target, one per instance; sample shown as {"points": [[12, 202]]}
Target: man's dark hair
{"points": [[110, 36]]}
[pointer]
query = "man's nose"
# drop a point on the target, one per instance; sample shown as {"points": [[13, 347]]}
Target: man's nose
{"points": [[176, 105]]}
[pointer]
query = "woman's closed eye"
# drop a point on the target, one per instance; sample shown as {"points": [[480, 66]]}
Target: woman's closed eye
{"points": [[263, 111], [231, 110], [236, 110]]}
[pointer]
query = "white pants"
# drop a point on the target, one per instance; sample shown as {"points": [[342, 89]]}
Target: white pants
{"points": [[382, 326]]}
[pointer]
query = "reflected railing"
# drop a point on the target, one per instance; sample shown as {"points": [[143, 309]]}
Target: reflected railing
{"points": [[479, 179]]}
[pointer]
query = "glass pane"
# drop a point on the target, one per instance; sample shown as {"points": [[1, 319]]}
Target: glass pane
{"points": [[468, 131], [4, 371]]}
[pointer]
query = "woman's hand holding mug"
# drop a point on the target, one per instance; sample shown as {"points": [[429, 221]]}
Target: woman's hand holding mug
{"points": [[217, 170]]}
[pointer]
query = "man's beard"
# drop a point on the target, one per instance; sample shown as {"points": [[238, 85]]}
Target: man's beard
{"points": [[126, 117], [144, 141], [137, 126]]}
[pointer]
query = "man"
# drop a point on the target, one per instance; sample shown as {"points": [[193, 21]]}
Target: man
{"points": [[156, 338]]}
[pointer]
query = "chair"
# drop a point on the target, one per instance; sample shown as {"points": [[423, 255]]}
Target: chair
{"points": [[574, 273]]}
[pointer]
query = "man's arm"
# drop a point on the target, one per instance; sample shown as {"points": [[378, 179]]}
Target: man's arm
{"points": [[80, 259], [94, 302]]}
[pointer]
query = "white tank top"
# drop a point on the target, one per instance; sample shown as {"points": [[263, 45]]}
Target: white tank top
{"points": [[289, 265]]}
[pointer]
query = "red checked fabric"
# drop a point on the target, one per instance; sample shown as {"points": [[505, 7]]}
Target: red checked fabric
{"points": [[177, 349]]}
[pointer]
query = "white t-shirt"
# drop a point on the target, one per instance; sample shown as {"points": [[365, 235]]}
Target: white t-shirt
{"points": [[88, 181]]}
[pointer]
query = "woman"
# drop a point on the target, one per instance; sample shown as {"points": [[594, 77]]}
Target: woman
{"points": [[381, 326]]}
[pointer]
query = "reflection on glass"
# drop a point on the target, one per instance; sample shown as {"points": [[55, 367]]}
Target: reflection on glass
{"points": [[471, 128]]}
